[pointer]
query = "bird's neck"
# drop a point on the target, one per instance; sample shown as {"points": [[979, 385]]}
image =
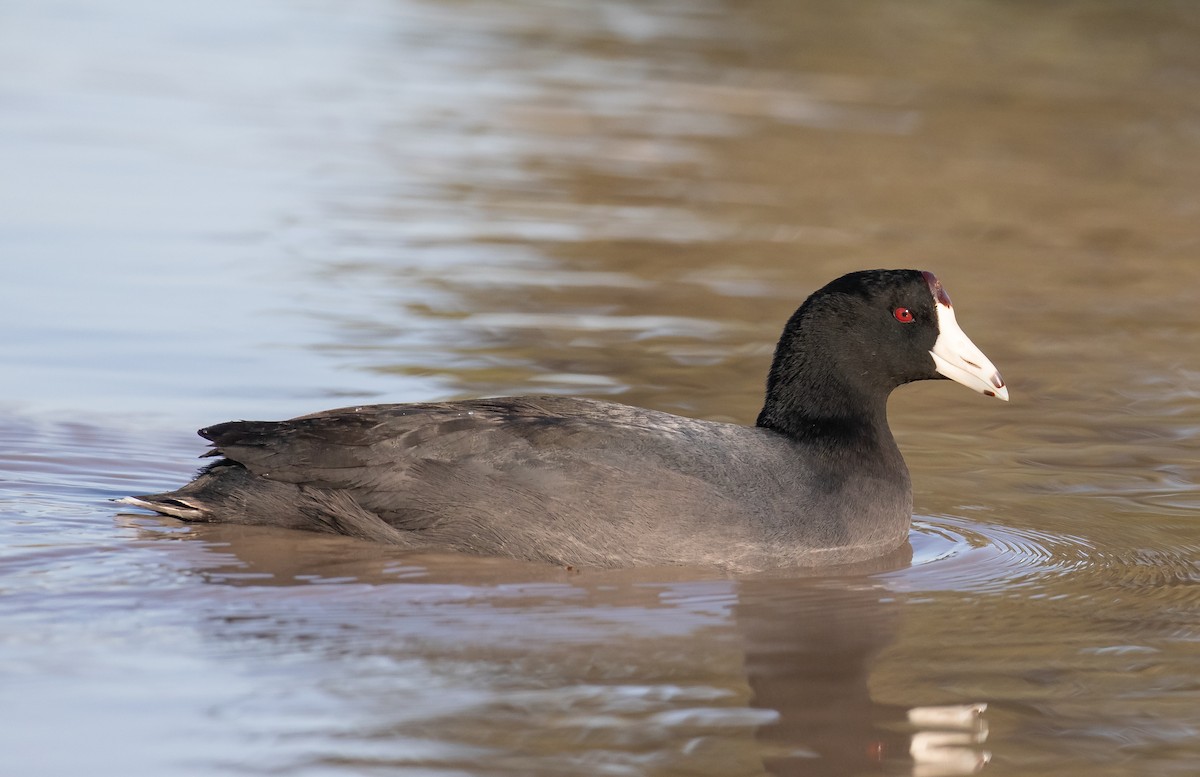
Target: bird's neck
{"points": [[823, 410]]}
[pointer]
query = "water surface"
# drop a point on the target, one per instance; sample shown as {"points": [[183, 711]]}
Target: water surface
{"points": [[255, 210]]}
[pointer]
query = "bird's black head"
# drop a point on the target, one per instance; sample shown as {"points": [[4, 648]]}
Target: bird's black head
{"points": [[860, 336]]}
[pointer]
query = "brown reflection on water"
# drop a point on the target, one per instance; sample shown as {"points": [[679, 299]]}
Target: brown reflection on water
{"points": [[663, 208]]}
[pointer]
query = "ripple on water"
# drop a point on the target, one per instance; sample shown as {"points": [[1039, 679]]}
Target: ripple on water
{"points": [[952, 553]]}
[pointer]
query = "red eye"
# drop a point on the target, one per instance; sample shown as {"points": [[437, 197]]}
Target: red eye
{"points": [[903, 315]]}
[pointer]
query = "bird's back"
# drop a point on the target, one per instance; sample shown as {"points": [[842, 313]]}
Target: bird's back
{"points": [[544, 478]]}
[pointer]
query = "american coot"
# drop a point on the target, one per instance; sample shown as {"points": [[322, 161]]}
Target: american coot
{"points": [[817, 481]]}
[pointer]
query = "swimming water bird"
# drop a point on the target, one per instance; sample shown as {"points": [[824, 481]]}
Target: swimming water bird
{"points": [[817, 481]]}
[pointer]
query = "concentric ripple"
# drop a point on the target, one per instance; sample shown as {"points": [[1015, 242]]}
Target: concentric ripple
{"points": [[953, 553]]}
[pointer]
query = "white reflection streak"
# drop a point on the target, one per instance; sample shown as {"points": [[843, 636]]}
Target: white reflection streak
{"points": [[951, 748]]}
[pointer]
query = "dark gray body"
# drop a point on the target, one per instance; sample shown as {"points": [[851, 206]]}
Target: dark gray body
{"points": [[569, 481], [817, 481]]}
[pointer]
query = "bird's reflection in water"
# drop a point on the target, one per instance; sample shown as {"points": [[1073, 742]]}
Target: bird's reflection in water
{"points": [[789, 656], [810, 649]]}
